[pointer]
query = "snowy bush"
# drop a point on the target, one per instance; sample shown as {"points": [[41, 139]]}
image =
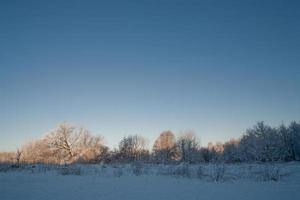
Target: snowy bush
{"points": [[137, 169], [200, 172], [164, 170], [11, 168], [182, 170], [271, 173], [218, 172], [41, 169], [118, 171], [4, 168], [71, 171]]}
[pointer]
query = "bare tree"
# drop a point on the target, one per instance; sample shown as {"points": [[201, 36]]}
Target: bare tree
{"points": [[132, 148], [64, 139], [70, 144], [39, 151], [91, 149], [18, 157], [188, 146], [164, 148]]}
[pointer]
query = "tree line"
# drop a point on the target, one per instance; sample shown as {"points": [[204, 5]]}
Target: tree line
{"points": [[68, 144]]}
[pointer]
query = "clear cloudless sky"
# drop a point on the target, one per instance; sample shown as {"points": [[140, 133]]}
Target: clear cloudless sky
{"points": [[141, 67]]}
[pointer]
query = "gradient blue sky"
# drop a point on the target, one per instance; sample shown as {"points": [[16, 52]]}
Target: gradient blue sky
{"points": [[141, 67]]}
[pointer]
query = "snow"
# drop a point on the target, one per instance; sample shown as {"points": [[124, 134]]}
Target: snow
{"points": [[97, 182]]}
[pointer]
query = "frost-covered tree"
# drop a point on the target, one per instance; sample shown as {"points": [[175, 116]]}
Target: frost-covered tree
{"points": [[65, 141], [231, 151], [286, 149], [91, 149], [133, 148], [261, 143], [64, 144], [215, 151], [293, 141], [188, 147], [164, 148], [38, 151]]}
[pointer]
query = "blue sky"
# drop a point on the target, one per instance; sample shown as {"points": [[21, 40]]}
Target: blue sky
{"points": [[141, 67]]}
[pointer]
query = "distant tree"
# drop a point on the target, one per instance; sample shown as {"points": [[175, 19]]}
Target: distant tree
{"points": [[65, 140], [7, 157], [38, 151], [71, 144], [260, 143], [90, 149], [133, 148], [188, 147], [164, 148], [18, 157], [215, 151], [231, 151], [211, 153], [204, 154], [293, 140], [106, 156], [286, 152]]}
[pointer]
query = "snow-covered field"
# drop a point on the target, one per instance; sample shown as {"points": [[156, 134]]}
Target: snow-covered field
{"points": [[239, 181]]}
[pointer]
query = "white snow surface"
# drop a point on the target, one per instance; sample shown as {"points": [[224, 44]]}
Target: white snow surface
{"points": [[240, 181]]}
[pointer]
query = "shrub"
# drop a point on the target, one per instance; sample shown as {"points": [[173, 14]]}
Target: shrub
{"points": [[70, 171], [137, 169], [271, 173], [218, 173], [200, 172], [182, 170], [118, 172]]}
